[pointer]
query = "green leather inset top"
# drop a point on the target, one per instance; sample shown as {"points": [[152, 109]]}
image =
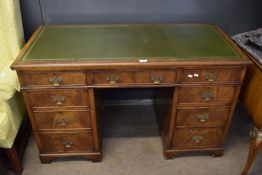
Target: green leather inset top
{"points": [[130, 42]]}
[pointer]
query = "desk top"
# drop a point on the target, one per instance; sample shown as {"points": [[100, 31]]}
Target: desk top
{"points": [[129, 43]]}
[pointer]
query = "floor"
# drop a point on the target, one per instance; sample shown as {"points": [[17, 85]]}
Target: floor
{"points": [[132, 146]]}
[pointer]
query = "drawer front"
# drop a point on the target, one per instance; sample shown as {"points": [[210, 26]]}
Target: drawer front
{"points": [[113, 77], [193, 138], [203, 116], [211, 75], [54, 78], [62, 120], [155, 77], [67, 142], [56, 98], [207, 94]]}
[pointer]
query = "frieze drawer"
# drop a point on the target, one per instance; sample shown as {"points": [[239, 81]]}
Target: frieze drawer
{"points": [[55, 79], [111, 78], [155, 77], [212, 75]]}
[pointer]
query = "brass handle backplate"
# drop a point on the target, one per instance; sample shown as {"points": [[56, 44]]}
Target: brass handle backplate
{"points": [[203, 117], [157, 78], [207, 95], [59, 100], [55, 80], [197, 138], [63, 121], [67, 144], [211, 77], [112, 79]]}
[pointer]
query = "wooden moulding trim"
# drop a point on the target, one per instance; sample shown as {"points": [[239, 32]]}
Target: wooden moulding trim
{"points": [[165, 85], [69, 131], [201, 149], [203, 104], [71, 154], [101, 86], [201, 126], [66, 130], [61, 87], [132, 24], [204, 107], [137, 85], [117, 64], [131, 68], [62, 110], [203, 83], [57, 108]]}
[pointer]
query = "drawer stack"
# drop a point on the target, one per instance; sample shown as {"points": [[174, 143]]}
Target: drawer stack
{"points": [[134, 78], [204, 103], [59, 108], [63, 107]]}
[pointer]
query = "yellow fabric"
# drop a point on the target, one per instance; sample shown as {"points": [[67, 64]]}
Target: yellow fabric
{"points": [[8, 82], [11, 30], [11, 41], [11, 115]]}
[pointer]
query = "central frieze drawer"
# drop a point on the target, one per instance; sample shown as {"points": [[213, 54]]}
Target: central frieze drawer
{"points": [[207, 94], [62, 120], [113, 77], [54, 78], [211, 75], [202, 116], [155, 77], [194, 137], [57, 97], [69, 142]]}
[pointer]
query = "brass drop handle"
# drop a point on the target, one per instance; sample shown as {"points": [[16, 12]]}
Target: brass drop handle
{"points": [[59, 100], [202, 117], [112, 79], [211, 77], [63, 121], [197, 138], [207, 95], [157, 78], [67, 144], [55, 81]]}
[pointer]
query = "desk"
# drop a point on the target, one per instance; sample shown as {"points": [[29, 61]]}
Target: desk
{"points": [[62, 69]]}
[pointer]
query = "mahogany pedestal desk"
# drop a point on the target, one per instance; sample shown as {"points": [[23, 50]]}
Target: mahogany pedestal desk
{"points": [[197, 70]]}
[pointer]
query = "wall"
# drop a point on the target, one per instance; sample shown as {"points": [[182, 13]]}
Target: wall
{"points": [[233, 16]]}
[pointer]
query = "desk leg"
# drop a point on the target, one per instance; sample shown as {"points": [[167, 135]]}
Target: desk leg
{"points": [[15, 161], [254, 149]]}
